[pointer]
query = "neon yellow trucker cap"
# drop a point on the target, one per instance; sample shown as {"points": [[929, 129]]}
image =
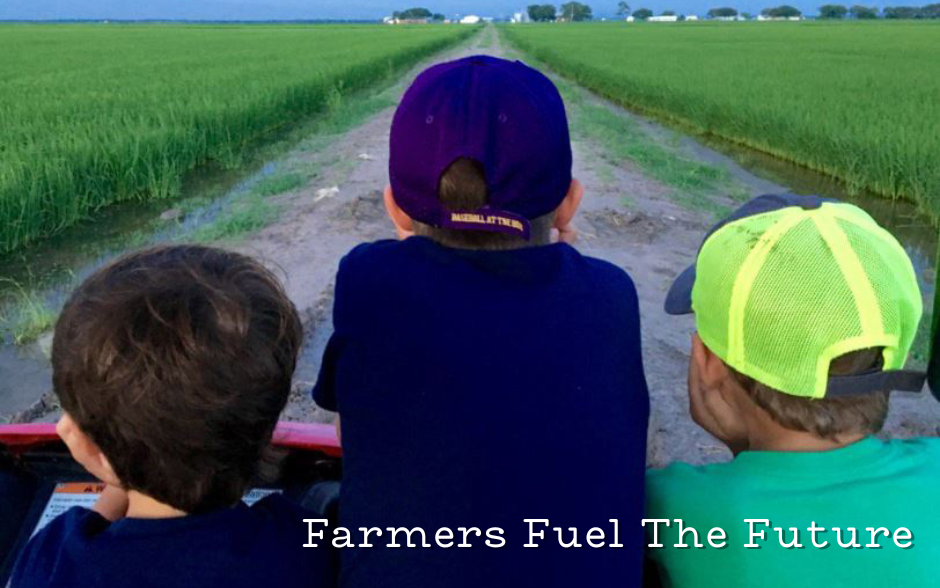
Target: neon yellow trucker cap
{"points": [[788, 283]]}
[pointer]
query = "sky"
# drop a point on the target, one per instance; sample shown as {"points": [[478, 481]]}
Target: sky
{"points": [[334, 9]]}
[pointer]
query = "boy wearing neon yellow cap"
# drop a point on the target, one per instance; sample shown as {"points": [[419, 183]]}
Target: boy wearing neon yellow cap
{"points": [[805, 311]]}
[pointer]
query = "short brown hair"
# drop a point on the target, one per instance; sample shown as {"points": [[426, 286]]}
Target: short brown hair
{"points": [[462, 188], [177, 362], [826, 417]]}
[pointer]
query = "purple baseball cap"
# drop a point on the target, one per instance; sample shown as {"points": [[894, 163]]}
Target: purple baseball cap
{"points": [[505, 115]]}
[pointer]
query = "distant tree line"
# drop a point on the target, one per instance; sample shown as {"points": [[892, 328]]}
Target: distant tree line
{"points": [[782, 11], [826, 11], [931, 11], [837, 11], [723, 12], [417, 14], [569, 11]]}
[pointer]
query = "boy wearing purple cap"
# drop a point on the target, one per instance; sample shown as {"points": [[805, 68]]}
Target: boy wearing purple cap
{"points": [[489, 381]]}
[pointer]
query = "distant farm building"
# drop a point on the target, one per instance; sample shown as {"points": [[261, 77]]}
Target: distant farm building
{"points": [[691, 17], [520, 17], [664, 18], [764, 17], [393, 20], [470, 19]]}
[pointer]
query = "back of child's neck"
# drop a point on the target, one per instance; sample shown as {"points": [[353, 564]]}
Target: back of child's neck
{"points": [[786, 440], [141, 506]]}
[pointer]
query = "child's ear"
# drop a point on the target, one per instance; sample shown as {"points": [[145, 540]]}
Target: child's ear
{"points": [[404, 226], [711, 369], [85, 451], [569, 206]]}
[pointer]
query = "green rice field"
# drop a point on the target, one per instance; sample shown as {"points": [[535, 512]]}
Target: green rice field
{"points": [[96, 114], [856, 100]]}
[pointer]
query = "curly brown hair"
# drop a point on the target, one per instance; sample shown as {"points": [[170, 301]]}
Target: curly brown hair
{"points": [[177, 362]]}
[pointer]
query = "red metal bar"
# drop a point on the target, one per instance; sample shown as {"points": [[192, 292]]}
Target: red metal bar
{"points": [[308, 437], [290, 435], [24, 437]]}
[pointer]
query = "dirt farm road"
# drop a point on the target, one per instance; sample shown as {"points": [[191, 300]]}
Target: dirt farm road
{"points": [[627, 218], [651, 237]]}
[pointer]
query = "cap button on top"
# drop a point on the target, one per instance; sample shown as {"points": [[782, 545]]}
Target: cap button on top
{"points": [[811, 203]]}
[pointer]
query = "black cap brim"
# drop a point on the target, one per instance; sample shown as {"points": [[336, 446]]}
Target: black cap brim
{"points": [[679, 297]]}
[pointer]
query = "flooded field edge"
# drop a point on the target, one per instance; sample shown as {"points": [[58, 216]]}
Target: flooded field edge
{"points": [[763, 172], [209, 194], [35, 282]]}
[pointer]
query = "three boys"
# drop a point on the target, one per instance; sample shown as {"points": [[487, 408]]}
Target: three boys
{"points": [[513, 364]]}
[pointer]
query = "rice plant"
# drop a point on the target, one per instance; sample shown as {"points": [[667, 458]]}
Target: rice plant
{"points": [[95, 114], [859, 101]]}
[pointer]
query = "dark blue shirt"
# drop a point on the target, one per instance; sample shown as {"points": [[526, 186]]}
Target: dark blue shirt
{"points": [[243, 547], [479, 389]]}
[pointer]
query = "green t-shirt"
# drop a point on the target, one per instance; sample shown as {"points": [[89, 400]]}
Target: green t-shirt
{"points": [[872, 483]]}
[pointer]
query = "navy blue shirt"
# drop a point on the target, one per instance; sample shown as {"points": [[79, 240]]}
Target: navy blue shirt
{"points": [[479, 389], [243, 547]]}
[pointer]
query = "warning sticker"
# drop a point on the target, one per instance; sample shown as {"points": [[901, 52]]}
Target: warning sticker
{"points": [[65, 497], [85, 494]]}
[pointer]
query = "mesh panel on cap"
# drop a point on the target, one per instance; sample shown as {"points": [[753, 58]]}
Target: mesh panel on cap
{"points": [[800, 305], [717, 268], [895, 283], [779, 295]]}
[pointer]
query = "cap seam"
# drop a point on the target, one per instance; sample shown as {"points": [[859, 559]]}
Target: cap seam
{"points": [[872, 228], [863, 296], [857, 279], [747, 275]]}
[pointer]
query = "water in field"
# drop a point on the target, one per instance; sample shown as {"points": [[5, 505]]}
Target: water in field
{"points": [[43, 276], [905, 221], [766, 174]]}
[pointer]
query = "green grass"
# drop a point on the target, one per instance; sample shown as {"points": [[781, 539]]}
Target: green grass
{"points": [[858, 101], [278, 184], [248, 211], [694, 184], [920, 348], [26, 317], [246, 215], [95, 114]]}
